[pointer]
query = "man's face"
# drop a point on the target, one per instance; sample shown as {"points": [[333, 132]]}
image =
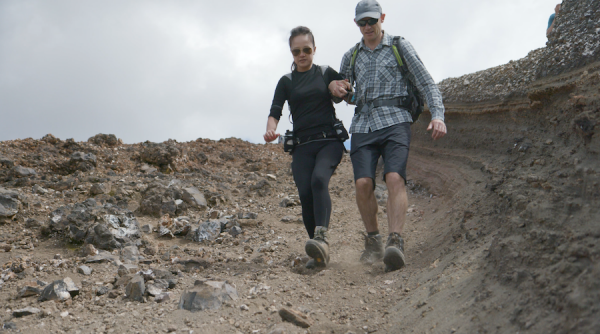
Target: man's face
{"points": [[371, 32], [557, 9]]}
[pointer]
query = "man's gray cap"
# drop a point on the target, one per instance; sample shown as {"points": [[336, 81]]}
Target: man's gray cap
{"points": [[368, 8]]}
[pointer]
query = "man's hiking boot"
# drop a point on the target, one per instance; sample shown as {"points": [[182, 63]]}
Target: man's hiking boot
{"points": [[394, 253], [318, 248], [373, 249]]}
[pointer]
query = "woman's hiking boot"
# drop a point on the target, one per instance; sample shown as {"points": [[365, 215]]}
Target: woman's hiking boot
{"points": [[394, 252], [318, 248], [373, 249]]}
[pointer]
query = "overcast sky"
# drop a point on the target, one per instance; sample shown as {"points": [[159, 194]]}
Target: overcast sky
{"points": [[154, 70]]}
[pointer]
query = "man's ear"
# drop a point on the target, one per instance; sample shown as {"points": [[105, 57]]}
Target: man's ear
{"points": [[382, 17]]}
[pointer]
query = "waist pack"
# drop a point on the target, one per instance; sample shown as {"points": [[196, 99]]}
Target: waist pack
{"points": [[413, 102], [339, 132]]}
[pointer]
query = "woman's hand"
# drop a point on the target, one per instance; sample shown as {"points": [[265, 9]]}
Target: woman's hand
{"points": [[339, 88], [270, 135]]}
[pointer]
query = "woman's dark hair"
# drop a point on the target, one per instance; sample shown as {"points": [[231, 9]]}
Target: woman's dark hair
{"points": [[300, 30]]}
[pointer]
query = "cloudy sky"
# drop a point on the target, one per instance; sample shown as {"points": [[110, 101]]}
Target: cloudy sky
{"points": [[183, 69]]}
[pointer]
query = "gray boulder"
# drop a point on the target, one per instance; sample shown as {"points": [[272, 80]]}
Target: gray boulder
{"points": [[163, 297], [6, 162], [247, 215], [126, 269], [207, 231], [135, 289], [28, 291], [20, 171], [114, 231], [59, 290], [130, 254], [84, 270], [99, 189], [25, 312], [235, 231], [194, 197], [84, 162], [207, 295], [162, 155], [101, 139], [103, 256], [9, 206]]}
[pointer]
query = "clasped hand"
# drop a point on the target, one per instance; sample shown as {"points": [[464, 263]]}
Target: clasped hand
{"points": [[340, 88]]}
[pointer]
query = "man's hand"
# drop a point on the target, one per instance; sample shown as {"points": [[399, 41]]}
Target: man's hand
{"points": [[270, 135], [439, 128], [340, 88]]}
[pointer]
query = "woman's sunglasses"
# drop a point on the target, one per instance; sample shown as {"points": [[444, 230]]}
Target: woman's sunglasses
{"points": [[370, 22], [307, 50]]}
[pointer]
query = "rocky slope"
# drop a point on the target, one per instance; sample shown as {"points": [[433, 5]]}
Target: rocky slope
{"points": [[573, 44]]}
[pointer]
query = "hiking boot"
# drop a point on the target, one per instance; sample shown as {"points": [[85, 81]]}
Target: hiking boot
{"points": [[394, 252], [373, 249], [318, 248]]}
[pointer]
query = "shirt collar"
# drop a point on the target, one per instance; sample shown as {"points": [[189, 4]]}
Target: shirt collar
{"points": [[386, 40]]}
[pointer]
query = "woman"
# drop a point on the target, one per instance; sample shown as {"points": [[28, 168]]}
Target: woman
{"points": [[317, 151]]}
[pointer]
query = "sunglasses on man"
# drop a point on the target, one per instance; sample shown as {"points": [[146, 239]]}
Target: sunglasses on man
{"points": [[307, 50], [364, 22]]}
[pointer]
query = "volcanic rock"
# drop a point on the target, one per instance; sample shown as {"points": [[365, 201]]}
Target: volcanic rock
{"points": [[162, 155], [80, 161], [25, 312], [295, 317], [194, 197], [101, 139], [19, 171], [59, 290], [135, 289], [207, 295], [84, 270], [207, 231]]}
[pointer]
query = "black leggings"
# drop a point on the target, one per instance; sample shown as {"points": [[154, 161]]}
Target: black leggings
{"points": [[313, 164]]}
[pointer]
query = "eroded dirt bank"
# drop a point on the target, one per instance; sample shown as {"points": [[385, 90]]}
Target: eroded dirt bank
{"points": [[518, 184]]}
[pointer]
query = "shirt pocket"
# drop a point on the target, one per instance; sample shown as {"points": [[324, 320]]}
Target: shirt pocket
{"points": [[387, 70]]}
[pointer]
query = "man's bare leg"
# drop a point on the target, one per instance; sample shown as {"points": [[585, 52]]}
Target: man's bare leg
{"points": [[397, 202], [367, 204], [396, 210]]}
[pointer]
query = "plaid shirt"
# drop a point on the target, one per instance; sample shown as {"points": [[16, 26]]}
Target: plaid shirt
{"points": [[378, 77]]}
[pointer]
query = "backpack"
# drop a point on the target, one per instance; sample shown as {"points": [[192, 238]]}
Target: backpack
{"points": [[415, 102]]}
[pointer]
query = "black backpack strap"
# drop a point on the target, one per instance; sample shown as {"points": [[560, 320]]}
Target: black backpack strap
{"points": [[400, 57], [415, 98], [323, 74]]}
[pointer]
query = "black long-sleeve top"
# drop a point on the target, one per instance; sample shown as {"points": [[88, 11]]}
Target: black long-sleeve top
{"points": [[308, 96]]}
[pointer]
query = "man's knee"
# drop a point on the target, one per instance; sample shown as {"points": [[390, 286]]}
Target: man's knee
{"points": [[364, 185], [394, 182]]}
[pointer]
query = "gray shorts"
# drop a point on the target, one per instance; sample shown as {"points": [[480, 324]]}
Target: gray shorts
{"points": [[392, 143]]}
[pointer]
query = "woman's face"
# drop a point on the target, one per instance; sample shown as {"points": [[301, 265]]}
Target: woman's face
{"points": [[300, 45]]}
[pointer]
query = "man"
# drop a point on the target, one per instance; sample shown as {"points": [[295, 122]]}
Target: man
{"points": [[381, 127], [551, 21]]}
